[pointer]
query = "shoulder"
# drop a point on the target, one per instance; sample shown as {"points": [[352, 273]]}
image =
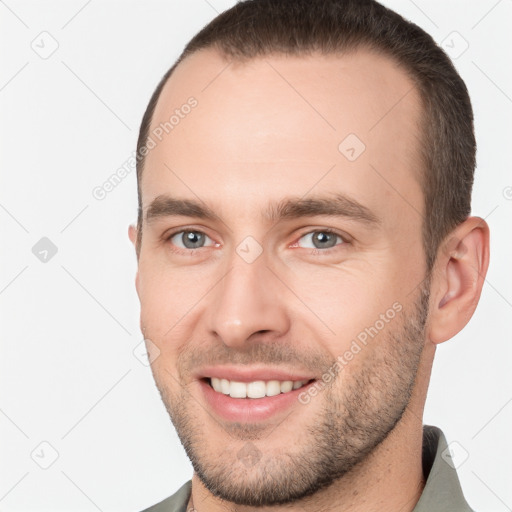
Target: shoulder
{"points": [[175, 503]]}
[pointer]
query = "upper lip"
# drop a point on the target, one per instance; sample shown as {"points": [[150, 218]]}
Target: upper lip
{"points": [[245, 374]]}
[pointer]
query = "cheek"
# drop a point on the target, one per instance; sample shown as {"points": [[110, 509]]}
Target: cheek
{"points": [[345, 300], [167, 299]]}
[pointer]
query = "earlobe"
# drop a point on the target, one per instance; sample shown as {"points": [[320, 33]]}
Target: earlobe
{"points": [[132, 234], [459, 275], [137, 283]]}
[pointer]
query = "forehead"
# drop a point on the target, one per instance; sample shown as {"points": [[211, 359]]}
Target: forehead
{"points": [[238, 132]]}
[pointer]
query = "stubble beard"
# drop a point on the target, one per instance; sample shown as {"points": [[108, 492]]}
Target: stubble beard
{"points": [[353, 420]]}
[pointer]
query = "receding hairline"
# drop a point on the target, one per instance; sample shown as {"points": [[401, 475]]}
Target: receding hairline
{"points": [[234, 61]]}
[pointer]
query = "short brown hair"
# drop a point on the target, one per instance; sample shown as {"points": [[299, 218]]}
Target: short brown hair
{"points": [[256, 28]]}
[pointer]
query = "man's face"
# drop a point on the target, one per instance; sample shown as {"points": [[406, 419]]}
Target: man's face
{"points": [[308, 265]]}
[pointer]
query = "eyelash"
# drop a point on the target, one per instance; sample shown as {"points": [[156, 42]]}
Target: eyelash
{"points": [[178, 250], [320, 252], [315, 251]]}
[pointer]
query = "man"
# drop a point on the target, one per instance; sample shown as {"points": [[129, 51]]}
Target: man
{"points": [[304, 243]]}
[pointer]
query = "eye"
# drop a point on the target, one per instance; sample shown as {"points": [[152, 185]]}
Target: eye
{"points": [[320, 239], [190, 239]]}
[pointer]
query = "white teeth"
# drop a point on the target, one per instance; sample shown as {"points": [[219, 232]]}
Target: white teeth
{"points": [[286, 386], [273, 387], [216, 384], [255, 389], [237, 389], [224, 386]]}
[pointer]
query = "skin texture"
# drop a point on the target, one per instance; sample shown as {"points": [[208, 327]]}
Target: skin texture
{"points": [[264, 131]]}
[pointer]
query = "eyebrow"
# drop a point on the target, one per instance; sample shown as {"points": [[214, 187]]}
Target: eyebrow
{"points": [[337, 205]]}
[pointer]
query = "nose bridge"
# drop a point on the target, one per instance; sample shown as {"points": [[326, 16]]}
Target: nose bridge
{"points": [[246, 300]]}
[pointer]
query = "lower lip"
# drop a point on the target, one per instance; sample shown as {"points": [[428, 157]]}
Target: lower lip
{"points": [[249, 409]]}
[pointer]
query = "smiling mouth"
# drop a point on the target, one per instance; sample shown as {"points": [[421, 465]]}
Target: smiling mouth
{"points": [[254, 389]]}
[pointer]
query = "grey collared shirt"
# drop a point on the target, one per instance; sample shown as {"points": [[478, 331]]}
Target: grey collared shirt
{"points": [[442, 491]]}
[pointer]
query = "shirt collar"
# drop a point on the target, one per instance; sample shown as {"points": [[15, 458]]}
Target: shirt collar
{"points": [[442, 491]]}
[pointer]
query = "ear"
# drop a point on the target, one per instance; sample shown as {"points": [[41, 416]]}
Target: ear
{"points": [[132, 234], [458, 277]]}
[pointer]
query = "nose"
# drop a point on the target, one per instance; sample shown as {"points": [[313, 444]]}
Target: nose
{"points": [[249, 300]]}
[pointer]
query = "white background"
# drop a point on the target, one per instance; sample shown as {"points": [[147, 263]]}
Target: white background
{"points": [[68, 374]]}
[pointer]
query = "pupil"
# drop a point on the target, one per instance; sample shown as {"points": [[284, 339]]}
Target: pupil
{"points": [[192, 239]]}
